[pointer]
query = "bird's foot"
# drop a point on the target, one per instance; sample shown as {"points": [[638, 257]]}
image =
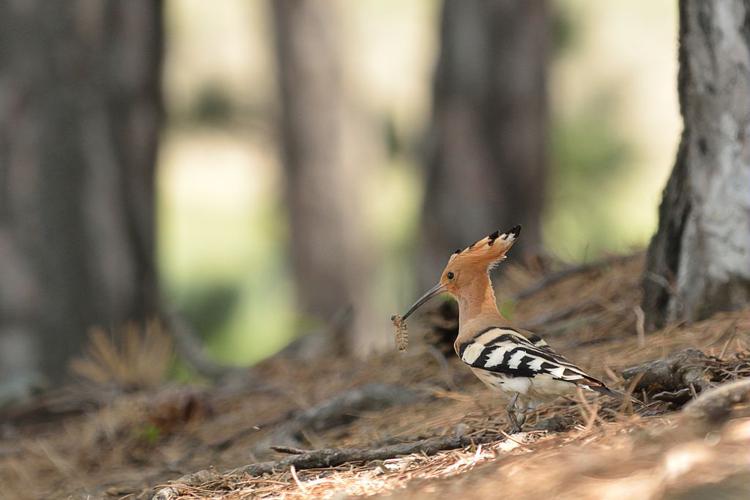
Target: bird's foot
{"points": [[516, 423]]}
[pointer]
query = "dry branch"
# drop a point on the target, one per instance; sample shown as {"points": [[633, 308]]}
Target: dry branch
{"points": [[344, 407], [331, 457], [684, 374], [336, 411], [717, 404], [672, 374]]}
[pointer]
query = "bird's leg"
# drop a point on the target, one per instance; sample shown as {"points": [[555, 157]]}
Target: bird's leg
{"points": [[512, 417], [523, 410]]}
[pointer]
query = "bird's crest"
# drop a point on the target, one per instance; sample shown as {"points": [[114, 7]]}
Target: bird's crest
{"points": [[489, 251]]}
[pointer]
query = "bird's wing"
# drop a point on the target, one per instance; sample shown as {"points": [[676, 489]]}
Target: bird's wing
{"points": [[507, 351]]}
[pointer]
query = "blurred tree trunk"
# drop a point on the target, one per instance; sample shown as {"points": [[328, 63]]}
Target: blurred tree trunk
{"points": [[699, 259], [328, 247], [487, 147], [80, 113]]}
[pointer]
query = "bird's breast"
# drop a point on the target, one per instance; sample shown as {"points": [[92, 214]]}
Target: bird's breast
{"points": [[542, 387], [503, 382]]}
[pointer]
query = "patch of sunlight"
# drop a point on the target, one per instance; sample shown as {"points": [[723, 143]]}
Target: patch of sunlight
{"points": [[615, 83], [264, 320], [212, 189], [226, 43], [393, 208], [394, 211], [220, 232], [384, 40]]}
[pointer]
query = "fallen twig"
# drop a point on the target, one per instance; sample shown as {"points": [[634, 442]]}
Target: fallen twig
{"points": [[336, 411], [330, 457], [344, 407], [640, 326], [289, 450]]}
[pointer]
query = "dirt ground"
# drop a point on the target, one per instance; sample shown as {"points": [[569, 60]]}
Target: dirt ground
{"points": [[415, 424]]}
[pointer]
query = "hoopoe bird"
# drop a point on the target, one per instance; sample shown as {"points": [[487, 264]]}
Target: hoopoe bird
{"points": [[516, 362]]}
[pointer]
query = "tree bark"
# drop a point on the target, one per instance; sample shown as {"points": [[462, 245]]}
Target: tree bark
{"points": [[486, 153], [329, 251], [699, 259], [80, 113]]}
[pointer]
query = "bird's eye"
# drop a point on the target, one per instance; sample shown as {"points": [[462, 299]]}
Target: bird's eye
{"points": [[450, 275]]}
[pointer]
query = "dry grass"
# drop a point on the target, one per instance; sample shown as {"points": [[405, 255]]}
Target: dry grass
{"points": [[139, 360], [142, 440]]}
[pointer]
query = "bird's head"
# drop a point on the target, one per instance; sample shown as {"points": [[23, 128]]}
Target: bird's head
{"points": [[469, 264]]}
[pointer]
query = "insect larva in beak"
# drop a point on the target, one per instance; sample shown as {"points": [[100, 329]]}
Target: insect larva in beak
{"points": [[402, 335]]}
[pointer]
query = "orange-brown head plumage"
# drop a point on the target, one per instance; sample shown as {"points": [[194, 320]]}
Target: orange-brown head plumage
{"points": [[477, 259], [465, 267]]}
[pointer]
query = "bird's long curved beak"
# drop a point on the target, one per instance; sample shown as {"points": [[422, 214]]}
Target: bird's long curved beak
{"points": [[435, 290]]}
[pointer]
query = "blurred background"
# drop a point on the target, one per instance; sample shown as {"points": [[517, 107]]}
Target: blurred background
{"points": [[270, 169]]}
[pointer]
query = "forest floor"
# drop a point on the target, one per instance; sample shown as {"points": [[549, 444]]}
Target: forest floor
{"points": [[417, 424]]}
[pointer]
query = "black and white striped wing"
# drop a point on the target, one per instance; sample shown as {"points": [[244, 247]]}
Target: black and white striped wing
{"points": [[505, 350]]}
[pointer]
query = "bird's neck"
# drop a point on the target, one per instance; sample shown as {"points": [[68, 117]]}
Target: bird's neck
{"points": [[477, 304]]}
